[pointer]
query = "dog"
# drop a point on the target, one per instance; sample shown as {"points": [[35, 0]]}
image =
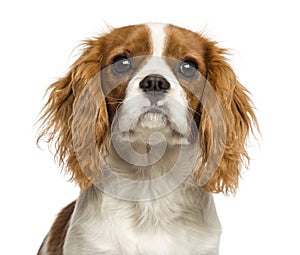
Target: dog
{"points": [[149, 121]]}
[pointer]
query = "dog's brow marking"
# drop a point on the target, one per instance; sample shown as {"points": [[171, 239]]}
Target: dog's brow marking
{"points": [[158, 38]]}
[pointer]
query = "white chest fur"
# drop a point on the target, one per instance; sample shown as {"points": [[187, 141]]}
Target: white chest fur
{"points": [[169, 225]]}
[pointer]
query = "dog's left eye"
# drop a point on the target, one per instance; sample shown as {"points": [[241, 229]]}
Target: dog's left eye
{"points": [[121, 65], [188, 68]]}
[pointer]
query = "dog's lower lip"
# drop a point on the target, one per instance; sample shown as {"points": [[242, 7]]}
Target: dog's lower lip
{"points": [[154, 109]]}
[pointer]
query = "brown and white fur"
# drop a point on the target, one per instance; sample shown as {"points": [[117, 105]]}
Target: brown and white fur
{"points": [[135, 217]]}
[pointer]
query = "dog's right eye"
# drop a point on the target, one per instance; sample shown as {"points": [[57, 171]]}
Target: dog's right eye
{"points": [[121, 65], [188, 68]]}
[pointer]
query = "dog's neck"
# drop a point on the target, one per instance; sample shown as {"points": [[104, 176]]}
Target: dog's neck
{"points": [[151, 197], [139, 171], [128, 225]]}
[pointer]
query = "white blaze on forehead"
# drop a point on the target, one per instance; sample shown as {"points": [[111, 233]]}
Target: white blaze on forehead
{"points": [[158, 35]]}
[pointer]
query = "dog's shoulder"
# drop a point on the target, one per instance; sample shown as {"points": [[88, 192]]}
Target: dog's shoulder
{"points": [[54, 241]]}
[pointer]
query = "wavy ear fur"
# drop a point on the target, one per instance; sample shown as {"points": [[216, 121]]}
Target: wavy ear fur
{"points": [[58, 123], [58, 113], [239, 120]]}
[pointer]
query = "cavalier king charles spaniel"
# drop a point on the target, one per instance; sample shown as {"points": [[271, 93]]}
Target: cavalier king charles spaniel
{"points": [[149, 121]]}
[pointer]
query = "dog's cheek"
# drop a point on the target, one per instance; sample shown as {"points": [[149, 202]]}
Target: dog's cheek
{"points": [[114, 99]]}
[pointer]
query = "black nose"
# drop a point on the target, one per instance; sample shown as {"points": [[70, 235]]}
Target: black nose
{"points": [[154, 82]]}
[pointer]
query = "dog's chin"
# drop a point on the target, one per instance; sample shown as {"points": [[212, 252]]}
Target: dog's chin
{"points": [[156, 126]]}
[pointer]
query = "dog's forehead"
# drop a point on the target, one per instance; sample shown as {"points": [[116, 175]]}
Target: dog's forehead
{"points": [[145, 39], [153, 39], [158, 38]]}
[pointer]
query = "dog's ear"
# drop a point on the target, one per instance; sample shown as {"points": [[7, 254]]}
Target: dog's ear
{"points": [[68, 116], [238, 119]]}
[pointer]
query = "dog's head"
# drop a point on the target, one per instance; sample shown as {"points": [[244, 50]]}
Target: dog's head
{"points": [[140, 80]]}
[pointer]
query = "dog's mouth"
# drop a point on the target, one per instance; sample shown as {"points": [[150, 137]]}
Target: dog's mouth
{"points": [[152, 120], [153, 117], [141, 117]]}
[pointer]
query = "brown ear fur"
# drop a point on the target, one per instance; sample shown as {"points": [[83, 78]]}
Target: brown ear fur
{"points": [[239, 118], [58, 113]]}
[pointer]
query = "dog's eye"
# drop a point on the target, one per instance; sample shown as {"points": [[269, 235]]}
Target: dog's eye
{"points": [[188, 68], [121, 65]]}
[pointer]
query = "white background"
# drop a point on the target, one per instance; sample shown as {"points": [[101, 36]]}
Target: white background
{"points": [[37, 39]]}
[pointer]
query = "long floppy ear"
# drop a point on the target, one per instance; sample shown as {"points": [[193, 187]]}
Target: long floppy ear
{"points": [[239, 119], [65, 96]]}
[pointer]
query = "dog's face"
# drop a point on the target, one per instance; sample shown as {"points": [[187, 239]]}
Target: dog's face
{"points": [[139, 80], [148, 80]]}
